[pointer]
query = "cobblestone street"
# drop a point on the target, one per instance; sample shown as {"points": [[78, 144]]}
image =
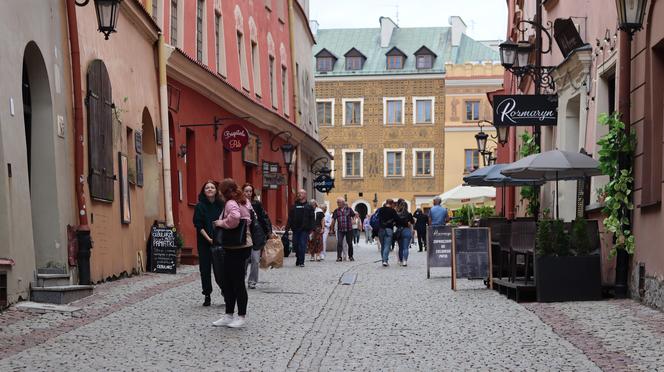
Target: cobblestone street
{"points": [[303, 319]]}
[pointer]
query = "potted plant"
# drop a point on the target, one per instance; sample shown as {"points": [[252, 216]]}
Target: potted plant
{"points": [[565, 267]]}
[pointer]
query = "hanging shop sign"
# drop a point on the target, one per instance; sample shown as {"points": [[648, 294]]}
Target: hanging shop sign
{"points": [[525, 110], [324, 183], [273, 180], [235, 137]]}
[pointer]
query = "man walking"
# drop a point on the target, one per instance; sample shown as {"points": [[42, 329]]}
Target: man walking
{"points": [[438, 215], [301, 220], [343, 218], [387, 218], [421, 222]]}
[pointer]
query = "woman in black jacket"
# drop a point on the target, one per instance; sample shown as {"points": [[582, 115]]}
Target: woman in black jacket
{"points": [[259, 244], [208, 209]]}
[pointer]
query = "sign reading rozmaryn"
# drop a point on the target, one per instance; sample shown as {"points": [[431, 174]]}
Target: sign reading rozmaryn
{"points": [[525, 110]]}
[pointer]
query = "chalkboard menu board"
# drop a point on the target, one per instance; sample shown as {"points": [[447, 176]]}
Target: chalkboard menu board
{"points": [[163, 250], [471, 255], [439, 247]]}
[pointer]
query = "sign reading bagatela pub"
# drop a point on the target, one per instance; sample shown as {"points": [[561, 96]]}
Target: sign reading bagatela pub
{"points": [[525, 110]]}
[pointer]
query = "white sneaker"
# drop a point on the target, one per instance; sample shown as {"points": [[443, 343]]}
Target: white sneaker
{"points": [[224, 321], [405, 263], [400, 263], [237, 322]]}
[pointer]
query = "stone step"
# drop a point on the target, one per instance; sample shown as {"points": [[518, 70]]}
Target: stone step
{"points": [[52, 280], [60, 294]]}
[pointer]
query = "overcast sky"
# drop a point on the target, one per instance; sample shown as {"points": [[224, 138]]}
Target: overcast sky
{"points": [[486, 19]]}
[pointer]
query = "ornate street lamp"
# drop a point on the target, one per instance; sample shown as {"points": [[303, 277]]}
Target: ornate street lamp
{"points": [[503, 133], [287, 150], [107, 15], [631, 14], [481, 139], [508, 53], [523, 51]]}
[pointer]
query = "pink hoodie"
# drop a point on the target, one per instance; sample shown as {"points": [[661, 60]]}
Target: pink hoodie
{"points": [[233, 212]]}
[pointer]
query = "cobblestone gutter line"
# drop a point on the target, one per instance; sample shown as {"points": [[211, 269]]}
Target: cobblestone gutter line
{"points": [[315, 344], [590, 344], [15, 344], [652, 318]]}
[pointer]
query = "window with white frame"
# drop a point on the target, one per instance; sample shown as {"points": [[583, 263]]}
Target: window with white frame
{"points": [[353, 163], [242, 58], [423, 110], [200, 30], [174, 22], [352, 111], [393, 162], [331, 152], [393, 111], [325, 112], [220, 50], [472, 110], [472, 160], [284, 90], [256, 67], [273, 82], [423, 162]]}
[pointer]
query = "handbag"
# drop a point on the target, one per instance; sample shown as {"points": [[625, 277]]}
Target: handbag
{"points": [[258, 234]]}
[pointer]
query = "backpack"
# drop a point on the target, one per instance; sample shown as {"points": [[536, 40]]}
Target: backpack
{"points": [[374, 222]]}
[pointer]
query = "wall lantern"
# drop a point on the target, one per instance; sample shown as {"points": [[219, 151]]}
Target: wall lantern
{"points": [[508, 53], [631, 14], [503, 133], [107, 15], [287, 149], [481, 139]]}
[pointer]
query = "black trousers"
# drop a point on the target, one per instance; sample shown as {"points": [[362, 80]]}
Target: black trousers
{"points": [[206, 264], [235, 290], [422, 238], [341, 235]]}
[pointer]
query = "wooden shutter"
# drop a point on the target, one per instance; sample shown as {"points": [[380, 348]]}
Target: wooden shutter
{"points": [[100, 132]]}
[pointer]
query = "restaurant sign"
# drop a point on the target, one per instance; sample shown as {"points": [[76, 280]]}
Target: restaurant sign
{"points": [[525, 110], [235, 137]]}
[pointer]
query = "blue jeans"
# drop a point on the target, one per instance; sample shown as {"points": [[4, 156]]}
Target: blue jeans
{"points": [[385, 237], [404, 243], [300, 238]]}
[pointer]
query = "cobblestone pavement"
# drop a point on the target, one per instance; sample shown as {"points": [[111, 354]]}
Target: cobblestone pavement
{"points": [[303, 319]]}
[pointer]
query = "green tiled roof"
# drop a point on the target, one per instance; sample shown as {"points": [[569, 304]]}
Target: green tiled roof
{"points": [[408, 40]]}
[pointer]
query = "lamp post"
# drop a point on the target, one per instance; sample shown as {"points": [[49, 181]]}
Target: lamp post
{"points": [[287, 150], [630, 20], [107, 15], [482, 138]]}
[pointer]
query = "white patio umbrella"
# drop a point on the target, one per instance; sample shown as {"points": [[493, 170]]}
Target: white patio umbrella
{"points": [[554, 165], [462, 195]]}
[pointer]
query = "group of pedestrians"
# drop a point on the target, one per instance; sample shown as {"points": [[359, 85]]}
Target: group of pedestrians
{"points": [[232, 228]]}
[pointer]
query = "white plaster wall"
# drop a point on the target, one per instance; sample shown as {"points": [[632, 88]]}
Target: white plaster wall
{"points": [[44, 22]]}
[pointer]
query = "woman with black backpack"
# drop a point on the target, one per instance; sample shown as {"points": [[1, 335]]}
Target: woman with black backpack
{"points": [[259, 242]]}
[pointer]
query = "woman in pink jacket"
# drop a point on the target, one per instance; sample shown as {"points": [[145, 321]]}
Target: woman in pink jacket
{"points": [[237, 208]]}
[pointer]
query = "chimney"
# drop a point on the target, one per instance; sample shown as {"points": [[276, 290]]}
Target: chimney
{"points": [[313, 25], [458, 29], [386, 28]]}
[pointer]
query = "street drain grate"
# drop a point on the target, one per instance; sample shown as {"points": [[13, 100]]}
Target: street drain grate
{"points": [[348, 279]]}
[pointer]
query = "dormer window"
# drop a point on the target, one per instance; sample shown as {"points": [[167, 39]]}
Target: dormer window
{"points": [[325, 61], [424, 61], [424, 58], [354, 59], [395, 59], [324, 64]]}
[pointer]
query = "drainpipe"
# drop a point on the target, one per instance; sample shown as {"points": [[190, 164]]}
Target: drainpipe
{"points": [[296, 116], [83, 229], [165, 136], [624, 82]]}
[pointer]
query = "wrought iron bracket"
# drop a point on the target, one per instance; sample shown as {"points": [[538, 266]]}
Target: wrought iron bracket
{"points": [[540, 74]]}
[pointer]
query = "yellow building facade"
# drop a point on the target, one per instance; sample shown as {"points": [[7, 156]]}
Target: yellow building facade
{"points": [[383, 106], [466, 104]]}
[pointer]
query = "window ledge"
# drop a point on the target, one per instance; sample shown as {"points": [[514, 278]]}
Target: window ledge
{"points": [[353, 125], [395, 177], [352, 177], [425, 124], [395, 124], [424, 176]]}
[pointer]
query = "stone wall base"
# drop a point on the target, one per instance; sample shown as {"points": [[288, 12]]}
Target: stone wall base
{"points": [[653, 293]]}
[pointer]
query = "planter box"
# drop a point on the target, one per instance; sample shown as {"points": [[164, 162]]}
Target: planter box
{"points": [[568, 278]]}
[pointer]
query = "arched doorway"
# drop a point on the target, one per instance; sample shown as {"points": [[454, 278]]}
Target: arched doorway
{"points": [[362, 209], [151, 184], [39, 152]]}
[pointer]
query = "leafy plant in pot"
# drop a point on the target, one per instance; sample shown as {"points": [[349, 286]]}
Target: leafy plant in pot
{"points": [[564, 268]]}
